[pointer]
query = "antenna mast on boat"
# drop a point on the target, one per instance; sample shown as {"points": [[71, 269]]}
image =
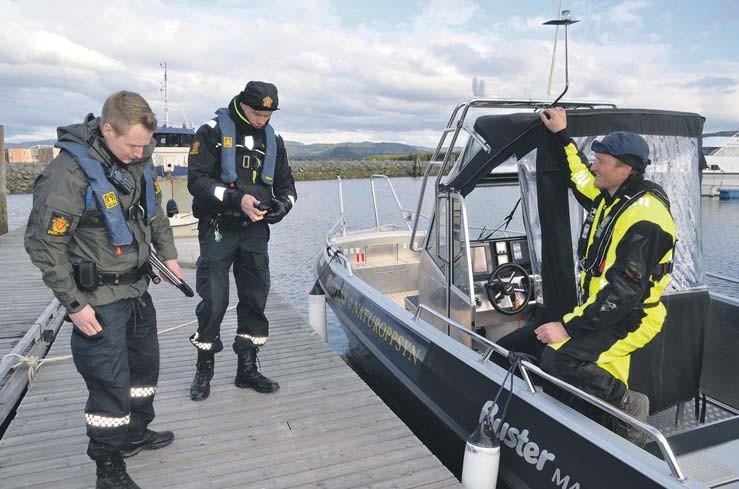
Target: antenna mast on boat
{"points": [[564, 19], [164, 89], [554, 52]]}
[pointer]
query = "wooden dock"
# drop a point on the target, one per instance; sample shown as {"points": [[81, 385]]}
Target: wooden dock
{"points": [[324, 427], [23, 294]]}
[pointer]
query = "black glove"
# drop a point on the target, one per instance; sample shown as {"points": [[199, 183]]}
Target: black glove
{"points": [[279, 209]]}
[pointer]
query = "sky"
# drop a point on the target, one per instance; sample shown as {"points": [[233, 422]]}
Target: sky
{"points": [[383, 70]]}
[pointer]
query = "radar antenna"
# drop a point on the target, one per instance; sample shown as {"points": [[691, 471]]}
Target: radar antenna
{"points": [[163, 64], [565, 19]]}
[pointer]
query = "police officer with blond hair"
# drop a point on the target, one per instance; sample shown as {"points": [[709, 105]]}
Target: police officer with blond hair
{"points": [[241, 182], [96, 210]]}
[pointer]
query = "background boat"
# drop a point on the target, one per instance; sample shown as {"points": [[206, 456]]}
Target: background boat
{"points": [[721, 150]]}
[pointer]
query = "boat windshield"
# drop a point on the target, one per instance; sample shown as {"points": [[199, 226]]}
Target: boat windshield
{"points": [[488, 209], [168, 140]]}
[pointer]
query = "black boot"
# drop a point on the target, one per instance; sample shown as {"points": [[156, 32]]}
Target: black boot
{"points": [[636, 405], [200, 388], [148, 440], [111, 474], [247, 374]]}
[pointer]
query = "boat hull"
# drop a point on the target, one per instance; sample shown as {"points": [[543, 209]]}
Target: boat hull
{"points": [[440, 394]]}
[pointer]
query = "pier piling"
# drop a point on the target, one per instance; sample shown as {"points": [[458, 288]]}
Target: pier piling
{"points": [[3, 186]]}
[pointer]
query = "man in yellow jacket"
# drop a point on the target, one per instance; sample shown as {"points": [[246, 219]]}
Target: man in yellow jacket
{"points": [[625, 254]]}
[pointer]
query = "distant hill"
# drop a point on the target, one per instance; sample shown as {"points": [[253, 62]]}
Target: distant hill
{"points": [[347, 151], [721, 134], [317, 151], [28, 144]]}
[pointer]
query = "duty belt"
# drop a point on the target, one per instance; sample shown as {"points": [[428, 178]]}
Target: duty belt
{"points": [[89, 278], [230, 220], [122, 278]]}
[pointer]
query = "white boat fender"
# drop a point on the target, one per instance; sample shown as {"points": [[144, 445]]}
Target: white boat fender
{"points": [[481, 458], [317, 310], [482, 451]]}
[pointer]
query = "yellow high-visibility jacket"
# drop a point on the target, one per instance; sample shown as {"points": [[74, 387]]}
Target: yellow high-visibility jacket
{"points": [[625, 254]]}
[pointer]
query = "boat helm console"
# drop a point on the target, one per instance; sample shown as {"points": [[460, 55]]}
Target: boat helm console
{"points": [[501, 270]]}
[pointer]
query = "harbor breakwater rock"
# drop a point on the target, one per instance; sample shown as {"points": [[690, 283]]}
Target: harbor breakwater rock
{"points": [[327, 170], [20, 176]]}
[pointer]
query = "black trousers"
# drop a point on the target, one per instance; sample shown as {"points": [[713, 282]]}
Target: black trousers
{"points": [[120, 365], [587, 376], [569, 363], [250, 262]]}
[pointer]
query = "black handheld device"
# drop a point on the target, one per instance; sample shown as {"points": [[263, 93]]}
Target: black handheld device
{"points": [[264, 206]]}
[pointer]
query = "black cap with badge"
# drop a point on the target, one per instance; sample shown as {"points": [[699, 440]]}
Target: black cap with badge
{"points": [[259, 96]]}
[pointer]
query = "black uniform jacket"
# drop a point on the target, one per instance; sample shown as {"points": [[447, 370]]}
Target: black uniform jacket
{"points": [[211, 196]]}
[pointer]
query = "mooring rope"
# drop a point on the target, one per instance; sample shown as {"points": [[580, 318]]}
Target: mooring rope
{"points": [[34, 363]]}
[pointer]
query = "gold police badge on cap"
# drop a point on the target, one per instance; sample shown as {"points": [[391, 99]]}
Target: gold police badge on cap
{"points": [[267, 101]]}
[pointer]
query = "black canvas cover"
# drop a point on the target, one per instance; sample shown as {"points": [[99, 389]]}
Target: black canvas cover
{"points": [[519, 134], [558, 281]]}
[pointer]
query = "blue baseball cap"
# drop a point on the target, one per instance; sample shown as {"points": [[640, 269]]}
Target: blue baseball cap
{"points": [[630, 148]]}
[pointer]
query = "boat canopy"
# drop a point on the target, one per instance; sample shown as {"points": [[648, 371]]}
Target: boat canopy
{"points": [[518, 134], [521, 150]]}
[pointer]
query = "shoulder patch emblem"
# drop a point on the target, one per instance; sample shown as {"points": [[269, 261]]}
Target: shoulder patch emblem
{"points": [[228, 142], [58, 226], [157, 188], [110, 200], [195, 148]]}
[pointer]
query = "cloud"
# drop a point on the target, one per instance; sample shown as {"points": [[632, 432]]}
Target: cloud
{"points": [[336, 79], [20, 45], [440, 14], [721, 84]]}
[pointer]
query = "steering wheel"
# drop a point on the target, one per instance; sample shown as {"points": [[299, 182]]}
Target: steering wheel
{"points": [[509, 289]]}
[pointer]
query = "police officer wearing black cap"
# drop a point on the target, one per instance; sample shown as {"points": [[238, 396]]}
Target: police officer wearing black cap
{"points": [[625, 251], [241, 182]]}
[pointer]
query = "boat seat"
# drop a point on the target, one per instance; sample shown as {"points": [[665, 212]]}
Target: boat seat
{"points": [[721, 361], [668, 369]]}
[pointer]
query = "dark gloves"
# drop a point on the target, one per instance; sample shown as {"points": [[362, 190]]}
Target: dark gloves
{"points": [[279, 207]]}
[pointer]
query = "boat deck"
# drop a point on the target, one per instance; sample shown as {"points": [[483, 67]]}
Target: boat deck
{"points": [[323, 428]]}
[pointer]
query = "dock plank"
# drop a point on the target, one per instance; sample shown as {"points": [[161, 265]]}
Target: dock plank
{"points": [[323, 428]]}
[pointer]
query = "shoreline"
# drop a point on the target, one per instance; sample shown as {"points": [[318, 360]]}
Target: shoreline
{"points": [[21, 176]]}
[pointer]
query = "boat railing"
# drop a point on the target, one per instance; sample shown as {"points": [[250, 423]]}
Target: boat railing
{"points": [[456, 124], [527, 367], [723, 277], [407, 214], [335, 252], [407, 218]]}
